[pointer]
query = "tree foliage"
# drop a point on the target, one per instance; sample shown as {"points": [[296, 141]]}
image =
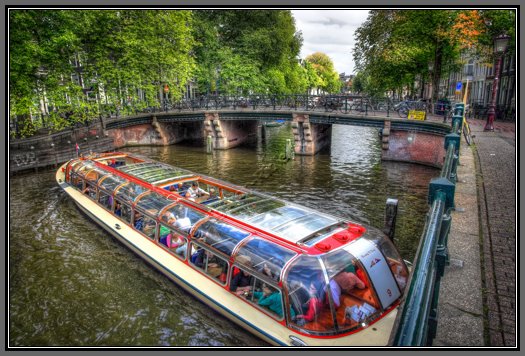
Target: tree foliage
{"points": [[247, 51], [326, 78], [72, 65], [57, 57], [395, 47]]}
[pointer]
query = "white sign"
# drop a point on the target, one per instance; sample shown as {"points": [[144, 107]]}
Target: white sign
{"points": [[378, 270]]}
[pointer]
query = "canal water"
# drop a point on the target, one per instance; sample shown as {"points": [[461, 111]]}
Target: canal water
{"points": [[73, 284]]}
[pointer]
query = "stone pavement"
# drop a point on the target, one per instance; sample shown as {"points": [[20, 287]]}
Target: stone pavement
{"points": [[477, 305]]}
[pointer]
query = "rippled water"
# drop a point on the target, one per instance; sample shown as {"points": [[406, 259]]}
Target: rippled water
{"points": [[73, 284]]}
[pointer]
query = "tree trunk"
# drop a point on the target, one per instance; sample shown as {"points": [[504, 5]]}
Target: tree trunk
{"points": [[436, 75]]}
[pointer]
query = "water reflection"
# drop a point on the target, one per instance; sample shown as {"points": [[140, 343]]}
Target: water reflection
{"points": [[72, 284]]}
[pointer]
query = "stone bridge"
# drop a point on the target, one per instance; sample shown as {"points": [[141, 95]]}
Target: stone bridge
{"points": [[402, 139]]}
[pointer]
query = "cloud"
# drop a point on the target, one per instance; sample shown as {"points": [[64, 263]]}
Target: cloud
{"points": [[330, 32]]}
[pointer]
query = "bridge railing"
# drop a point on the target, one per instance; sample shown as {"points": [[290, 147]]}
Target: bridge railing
{"points": [[342, 104], [416, 321]]}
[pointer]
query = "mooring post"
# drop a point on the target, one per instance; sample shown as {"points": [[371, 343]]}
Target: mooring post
{"points": [[390, 217], [209, 144], [289, 150]]}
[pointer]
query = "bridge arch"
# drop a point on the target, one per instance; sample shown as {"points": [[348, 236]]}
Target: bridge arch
{"points": [[402, 140]]}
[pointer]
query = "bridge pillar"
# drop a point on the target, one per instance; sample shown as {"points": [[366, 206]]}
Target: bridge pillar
{"points": [[227, 133], [411, 146], [309, 138]]}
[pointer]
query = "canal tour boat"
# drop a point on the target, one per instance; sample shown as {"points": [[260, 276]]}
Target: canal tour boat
{"points": [[291, 275]]}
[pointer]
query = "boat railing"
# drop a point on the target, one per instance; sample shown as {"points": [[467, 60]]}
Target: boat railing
{"points": [[416, 321]]}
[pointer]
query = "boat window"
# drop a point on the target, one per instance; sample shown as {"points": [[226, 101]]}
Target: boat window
{"points": [[377, 267], [123, 210], [220, 235], [266, 257], [153, 202], [76, 165], [181, 217], [292, 222], [83, 167], [95, 174], [349, 290], [267, 297], [129, 192], [397, 265], [90, 190], [211, 263], [173, 241], [247, 205], [306, 290], [77, 181], [145, 224], [105, 199], [154, 172], [111, 182], [213, 195]]}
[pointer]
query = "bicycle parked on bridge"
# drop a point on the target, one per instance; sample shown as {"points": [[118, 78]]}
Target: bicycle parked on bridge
{"points": [[362, 107]]}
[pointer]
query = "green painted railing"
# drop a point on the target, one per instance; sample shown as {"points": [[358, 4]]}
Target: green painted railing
{"points": [[416, 322]]}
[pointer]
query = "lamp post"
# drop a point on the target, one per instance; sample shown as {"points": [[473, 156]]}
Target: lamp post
{"points": [[500, 45]]}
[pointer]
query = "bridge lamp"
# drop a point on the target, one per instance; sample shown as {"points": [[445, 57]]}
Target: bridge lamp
{"points": [[500, 46]]}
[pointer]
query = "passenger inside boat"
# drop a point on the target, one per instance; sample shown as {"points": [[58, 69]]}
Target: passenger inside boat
{"points": [[241, 283]]}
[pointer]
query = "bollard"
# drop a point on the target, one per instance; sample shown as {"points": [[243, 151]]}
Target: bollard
{"points": [[209, 144], [390, 218], [289, 150]]}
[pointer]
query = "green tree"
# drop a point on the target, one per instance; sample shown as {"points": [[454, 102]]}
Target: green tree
{"points": [[327, 78], [266, 41]]}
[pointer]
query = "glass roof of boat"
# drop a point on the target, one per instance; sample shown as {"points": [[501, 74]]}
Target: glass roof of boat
{"points": [[110, 182], [291, 222], [153, 202], [154, 172], [130, 191]]}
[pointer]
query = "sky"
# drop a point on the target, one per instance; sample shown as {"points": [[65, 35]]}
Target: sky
{"points": [[330, 32]]}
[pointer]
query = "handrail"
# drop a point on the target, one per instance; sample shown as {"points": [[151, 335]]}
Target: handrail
{"points": [[416, 321]]}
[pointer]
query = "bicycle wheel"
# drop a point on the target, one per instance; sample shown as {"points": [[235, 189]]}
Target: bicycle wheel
{"points": [[403, 112], [370, 111], [466, 133]]}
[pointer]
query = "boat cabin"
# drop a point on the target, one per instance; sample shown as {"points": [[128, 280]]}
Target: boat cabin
{"points": [[312, 272]]}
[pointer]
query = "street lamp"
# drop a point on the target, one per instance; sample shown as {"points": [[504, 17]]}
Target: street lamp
{"points": [[500, 45]]}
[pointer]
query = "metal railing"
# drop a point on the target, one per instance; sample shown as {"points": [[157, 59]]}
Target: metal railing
{"points": [[416, 321], [342, 104]]}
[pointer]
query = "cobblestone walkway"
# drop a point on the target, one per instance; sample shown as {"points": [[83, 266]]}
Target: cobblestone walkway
{"points": [[496, 153]]}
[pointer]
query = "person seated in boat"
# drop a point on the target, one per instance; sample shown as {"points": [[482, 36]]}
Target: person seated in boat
{"points": [[183, 247], [312, 306], [241, 283], [90, 191], [196, 192], [346, 281], [138, 220], [266, 270], [271, 298], [183, 224], [213, 196], [118, 208], [213, 267]]}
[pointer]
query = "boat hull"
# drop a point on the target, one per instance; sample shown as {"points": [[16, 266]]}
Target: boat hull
{"points": [[202, 288]]}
